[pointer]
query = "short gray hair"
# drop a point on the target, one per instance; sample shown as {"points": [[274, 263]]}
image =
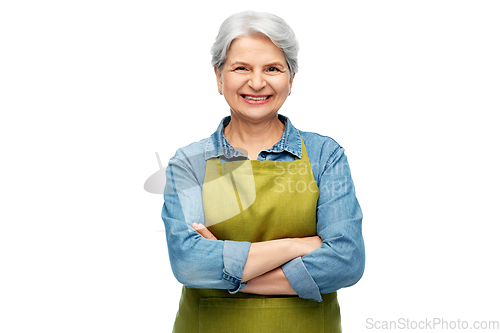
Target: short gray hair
{"points": [[249, 23]]}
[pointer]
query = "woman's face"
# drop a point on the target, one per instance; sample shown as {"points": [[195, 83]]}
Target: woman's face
{"points": [[255, 79]]}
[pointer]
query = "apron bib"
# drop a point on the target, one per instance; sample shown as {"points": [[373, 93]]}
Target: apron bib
{"points": [[257, 201]]}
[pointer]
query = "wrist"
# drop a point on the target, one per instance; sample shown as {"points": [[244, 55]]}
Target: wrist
{"points": [[298, 247]]}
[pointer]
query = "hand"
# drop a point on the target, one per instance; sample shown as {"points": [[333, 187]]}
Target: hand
{"points": [[203, 231], [309, 244]]}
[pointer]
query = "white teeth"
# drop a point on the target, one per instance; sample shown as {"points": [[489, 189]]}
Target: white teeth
{"points": [[255, 98]]}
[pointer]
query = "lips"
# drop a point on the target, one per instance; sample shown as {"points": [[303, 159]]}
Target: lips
{"points": [[256, 97]]}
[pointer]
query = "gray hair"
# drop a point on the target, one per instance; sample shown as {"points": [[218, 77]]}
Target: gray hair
{"points": [[249, 23]]}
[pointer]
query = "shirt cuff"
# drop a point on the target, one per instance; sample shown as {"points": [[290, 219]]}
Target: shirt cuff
{"points": [[300, 280], [235, 256]]}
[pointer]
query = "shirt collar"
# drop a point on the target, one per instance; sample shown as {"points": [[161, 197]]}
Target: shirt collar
{"points": [[218, 145]]}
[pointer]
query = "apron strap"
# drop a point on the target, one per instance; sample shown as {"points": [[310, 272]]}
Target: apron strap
{"points": [[304, 150]]}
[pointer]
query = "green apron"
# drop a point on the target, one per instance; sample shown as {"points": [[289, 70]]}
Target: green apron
{"points": [[257, 201]]}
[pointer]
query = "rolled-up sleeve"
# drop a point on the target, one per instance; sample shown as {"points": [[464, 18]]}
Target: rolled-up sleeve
{"points": [[300, 279], [340, 260], [197, 262]]}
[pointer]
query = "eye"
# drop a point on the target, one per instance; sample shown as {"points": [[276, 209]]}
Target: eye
{"points": [[241, 68], [273, 70]]}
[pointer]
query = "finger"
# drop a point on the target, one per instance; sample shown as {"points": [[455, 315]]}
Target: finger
{"points": [[203, 231], [206, 233], [197, 226]]}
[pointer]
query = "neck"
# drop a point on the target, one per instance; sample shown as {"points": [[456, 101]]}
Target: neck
{"points": [[254, 135]]}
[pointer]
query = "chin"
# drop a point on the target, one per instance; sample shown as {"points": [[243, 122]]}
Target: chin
{"points": [[257, 114]]}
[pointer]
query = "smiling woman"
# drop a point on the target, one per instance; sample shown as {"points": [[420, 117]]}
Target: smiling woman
{"points": [[255, 80], [261, 236]]}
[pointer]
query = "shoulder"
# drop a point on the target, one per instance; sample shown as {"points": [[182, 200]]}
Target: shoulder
{"points": [[317, 141], [324, 153], [192, 149], [320, 148], [189, 161]]}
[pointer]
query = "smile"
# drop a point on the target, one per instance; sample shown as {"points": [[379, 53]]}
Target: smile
{"points": [[255, 98]]}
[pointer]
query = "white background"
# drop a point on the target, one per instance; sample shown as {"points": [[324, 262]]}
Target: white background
{"points": [[90, 90]]}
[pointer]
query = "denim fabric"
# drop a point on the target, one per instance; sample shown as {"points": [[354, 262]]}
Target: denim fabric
{"points": [[202, 263]]}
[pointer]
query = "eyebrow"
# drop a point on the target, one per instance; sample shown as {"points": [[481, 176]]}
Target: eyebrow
{"points": [[275, 63]]}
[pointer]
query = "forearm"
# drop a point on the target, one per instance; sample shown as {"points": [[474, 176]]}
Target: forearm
{"points": [[273, 282], [266, 256]]}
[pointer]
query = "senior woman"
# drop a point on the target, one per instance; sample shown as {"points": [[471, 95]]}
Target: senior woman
{"points": [[262, 222]]}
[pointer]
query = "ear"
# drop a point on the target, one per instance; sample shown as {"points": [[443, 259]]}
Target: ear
{"points": [[218, 76], [291, 80]]}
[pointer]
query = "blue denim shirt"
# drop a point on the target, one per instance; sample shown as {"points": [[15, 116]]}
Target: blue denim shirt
{"points": [[203, 263]]}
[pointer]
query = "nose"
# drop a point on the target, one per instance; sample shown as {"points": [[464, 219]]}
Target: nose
{"points": [[256, 81]]}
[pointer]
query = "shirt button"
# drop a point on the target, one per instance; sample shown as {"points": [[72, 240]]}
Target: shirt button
{"points": [[263, 155]]}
